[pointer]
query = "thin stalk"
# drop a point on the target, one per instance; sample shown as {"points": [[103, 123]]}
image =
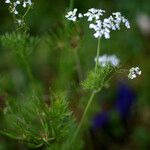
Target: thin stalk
{"points": [[98, 52], [86, 110], [26, 12], [71, 4], [83, 117]]}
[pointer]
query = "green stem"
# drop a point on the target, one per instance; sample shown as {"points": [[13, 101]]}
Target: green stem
{"points": [[83, 117], [26, 12], [98, 52], [71, 4], [86, 110]]}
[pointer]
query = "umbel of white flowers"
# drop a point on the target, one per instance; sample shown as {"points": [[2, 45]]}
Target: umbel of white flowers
{"points": [[133, 72], [14, 4], [108, 59], [101, 26]]}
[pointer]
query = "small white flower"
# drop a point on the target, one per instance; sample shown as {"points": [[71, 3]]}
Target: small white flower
{"points": [[71, 15], [127, 24], [15, 12], [97, 34], [105, 59], [24, 4], [18, 2], [80, 15], [94, 14], [106, 35], [19, 21], [133, 72], [29, 2], [7, 1]]}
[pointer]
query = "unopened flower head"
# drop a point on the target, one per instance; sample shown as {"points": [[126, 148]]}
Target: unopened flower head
{"points": [[108, 59], [101, 26], [134, 72]]}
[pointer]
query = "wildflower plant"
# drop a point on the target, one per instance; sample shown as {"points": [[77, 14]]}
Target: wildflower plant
{"points": [[105, 66]]}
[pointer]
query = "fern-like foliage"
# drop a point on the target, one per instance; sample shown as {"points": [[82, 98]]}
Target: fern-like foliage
{"points": [[98, 77], [20, 43], [36, 123]]}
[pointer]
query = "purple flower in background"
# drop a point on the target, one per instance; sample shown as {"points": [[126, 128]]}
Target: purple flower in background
{"points": [[125, 100], [123, 105], [100, 120]]}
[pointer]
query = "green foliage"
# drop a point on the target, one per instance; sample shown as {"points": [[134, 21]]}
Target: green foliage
{"points": [[20, 43], [97, 78], [37, 123]]}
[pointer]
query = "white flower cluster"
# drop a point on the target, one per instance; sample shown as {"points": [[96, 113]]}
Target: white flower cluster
{"points": [[72, 15], [14, 4], [102, 27], [108, 59], [94, 14], [133, 72]]}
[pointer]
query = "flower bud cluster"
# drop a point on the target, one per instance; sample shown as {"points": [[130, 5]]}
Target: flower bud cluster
{"points": [[133, 72]]}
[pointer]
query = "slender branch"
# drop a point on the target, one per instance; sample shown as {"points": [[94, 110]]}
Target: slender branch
{"points": [[83, 117], [71, 4], [26, 12]]}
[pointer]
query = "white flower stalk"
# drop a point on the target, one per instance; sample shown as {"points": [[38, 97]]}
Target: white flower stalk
{"points": [[108, 59], [134, 72]]}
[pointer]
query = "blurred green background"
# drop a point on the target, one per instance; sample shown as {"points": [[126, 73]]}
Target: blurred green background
{"points": [[64, 54]]}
